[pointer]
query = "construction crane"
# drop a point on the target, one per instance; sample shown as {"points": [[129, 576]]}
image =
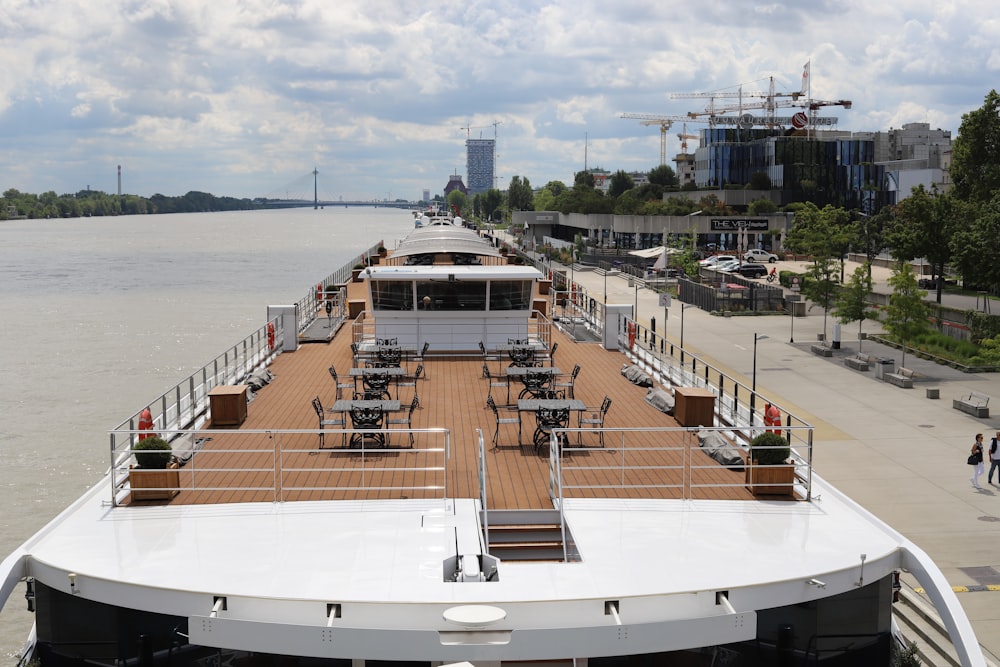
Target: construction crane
{"points": [[684, 136], [665, 123], [469, 129]]}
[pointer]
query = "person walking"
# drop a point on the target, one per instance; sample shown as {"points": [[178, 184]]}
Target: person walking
{"points": [[976, 460], [994, 459]]}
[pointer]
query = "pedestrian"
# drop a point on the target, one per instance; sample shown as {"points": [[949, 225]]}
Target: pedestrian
{"points": [[976, 460], [994, 459]]}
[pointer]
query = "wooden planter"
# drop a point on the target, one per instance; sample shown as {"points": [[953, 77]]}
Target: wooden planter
{"points": [[155, 483], [773, 480], [356, 275]]}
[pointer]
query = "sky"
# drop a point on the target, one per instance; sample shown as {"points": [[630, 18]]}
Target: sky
{"points": [[244, 98]]}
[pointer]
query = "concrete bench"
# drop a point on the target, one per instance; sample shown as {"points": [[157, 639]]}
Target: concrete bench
{"points": [[821, 350], [901, 378], [859, 362], [973, 403]]}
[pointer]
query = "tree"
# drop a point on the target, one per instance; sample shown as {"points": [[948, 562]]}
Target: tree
{"points": [[620, 183], [459, 200], [519, 194], [823, 233], [759, 180], [662, 175], [761, 207], [976, 247], [975, 165], [852, 303], [584, 178], [924, 225], [869, 237], [821, 285], [906, 315]]}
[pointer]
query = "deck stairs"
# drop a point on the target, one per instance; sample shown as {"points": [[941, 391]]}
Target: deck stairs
{"points": [[528, 535]]}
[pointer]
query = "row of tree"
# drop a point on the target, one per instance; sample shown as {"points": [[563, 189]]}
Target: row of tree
{"points": [[86, 203]]}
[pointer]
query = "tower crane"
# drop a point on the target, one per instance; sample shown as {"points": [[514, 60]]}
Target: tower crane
{"points": [[684, 136], [665, 123]]}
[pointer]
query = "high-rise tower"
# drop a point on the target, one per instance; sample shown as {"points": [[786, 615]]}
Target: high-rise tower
{"points": [[479, 158]]}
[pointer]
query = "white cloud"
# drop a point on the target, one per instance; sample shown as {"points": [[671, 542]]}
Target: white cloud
{"points": [[239, 97]]}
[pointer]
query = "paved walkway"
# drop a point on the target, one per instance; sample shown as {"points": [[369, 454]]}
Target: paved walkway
{"points": [[894, 451]]}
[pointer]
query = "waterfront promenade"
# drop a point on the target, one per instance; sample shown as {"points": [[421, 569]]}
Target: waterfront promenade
{"points": [[898, 453]]}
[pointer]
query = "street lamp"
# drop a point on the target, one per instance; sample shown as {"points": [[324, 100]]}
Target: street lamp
{"points": [[683, 306], [753, 388]]}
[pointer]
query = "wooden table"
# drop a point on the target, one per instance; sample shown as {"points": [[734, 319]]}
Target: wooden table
{"points": [[694, 406], [228, 404]]}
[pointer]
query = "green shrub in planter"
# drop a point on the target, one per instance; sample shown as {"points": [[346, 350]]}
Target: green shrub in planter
{"points": [[769, 449], [153, 453]]}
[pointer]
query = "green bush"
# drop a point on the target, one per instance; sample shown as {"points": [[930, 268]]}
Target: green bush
{"points": [[153, 452], [769, 449]]}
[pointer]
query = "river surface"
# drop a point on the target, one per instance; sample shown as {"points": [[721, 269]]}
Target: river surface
{"points": [[101, 315]]}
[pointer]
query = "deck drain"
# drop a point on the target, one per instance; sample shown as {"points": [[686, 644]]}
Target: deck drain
{"points": [[988, 518]]}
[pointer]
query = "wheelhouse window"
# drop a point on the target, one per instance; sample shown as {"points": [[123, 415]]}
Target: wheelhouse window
{"points": [[510, 295], [392, 294], [447, 294]]}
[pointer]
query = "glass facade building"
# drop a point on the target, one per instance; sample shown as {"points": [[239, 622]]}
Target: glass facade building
{"points": [[479, 158]]}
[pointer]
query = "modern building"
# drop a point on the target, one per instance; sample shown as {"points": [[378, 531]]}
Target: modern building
{"points": [[479, 164], [865, 171]]}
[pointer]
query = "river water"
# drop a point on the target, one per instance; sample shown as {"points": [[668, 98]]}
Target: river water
{"points": [[101, 315]]}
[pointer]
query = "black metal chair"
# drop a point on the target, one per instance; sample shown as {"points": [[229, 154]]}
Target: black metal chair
{"points": [[536, 385], [491, 404], [596, 419], [391, 356], [340, 385], [568, 386], [370, 419], [411, 380], [407, 419], [547, 419], [376, 386], [325, 421], [496, 382], [522, 356]]}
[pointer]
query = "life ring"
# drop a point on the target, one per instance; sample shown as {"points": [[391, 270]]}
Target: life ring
{"points": [[146, 424], [631, 335], [270, 335], [319, 292]]}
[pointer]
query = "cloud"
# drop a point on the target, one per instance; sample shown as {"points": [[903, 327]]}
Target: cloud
{"points": [[240, 97]]}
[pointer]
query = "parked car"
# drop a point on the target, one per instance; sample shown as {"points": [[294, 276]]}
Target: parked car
{"points": [[727, 267], [715, 260], [752, 270], [760, 256]]}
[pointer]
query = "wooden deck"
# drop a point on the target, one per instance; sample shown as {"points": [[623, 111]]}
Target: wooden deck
{"points": [[249, 466]]}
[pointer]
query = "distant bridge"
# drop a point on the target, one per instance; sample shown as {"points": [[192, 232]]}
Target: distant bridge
{"points": [[304, 191]]}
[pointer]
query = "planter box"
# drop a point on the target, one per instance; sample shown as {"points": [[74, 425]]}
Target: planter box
{"points": [[775, 480], [154, 483]]}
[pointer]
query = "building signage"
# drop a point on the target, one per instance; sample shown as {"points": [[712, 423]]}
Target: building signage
{"points": [[736, 224], [747, 120]]}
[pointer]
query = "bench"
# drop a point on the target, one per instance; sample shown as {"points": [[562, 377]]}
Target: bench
{"points": [[821, 350], [859, 362], [974, 403], [901, 378]]}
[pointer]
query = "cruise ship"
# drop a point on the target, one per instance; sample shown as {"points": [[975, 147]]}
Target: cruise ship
{"points": [[452, 455]]}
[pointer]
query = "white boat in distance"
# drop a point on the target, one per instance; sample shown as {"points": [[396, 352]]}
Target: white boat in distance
{"points": [[401, 468]]}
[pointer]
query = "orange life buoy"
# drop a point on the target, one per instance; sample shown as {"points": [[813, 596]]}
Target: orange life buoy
{"points": [[772, 417], [631, 335], [270, 335], [146, 424]]}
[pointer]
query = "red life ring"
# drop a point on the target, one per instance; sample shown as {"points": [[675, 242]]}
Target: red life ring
{"points": [[631, 335], [146, 424], [319, 292], [270, 335]]}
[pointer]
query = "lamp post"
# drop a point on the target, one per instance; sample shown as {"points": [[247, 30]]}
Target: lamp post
{"points": [[753, 388], [683, 306]]}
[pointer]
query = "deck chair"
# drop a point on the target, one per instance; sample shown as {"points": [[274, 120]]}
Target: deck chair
{"points": [[547, 419], [536, 385], [423, 352], [411, 380], [568, 385], [325, 421], [340, 385], [407, 419], [369, 419], [491, 404], [376, 386], [496, 383], [596, 419], [550, 354]]}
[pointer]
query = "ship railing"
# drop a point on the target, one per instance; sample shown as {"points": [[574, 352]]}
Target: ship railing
{"points": [[670, 462], [313, 304], [737, 405], [217, 466], [186, 404]]}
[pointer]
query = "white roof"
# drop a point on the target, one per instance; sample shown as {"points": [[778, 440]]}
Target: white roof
{"points": [[443, 272]]}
